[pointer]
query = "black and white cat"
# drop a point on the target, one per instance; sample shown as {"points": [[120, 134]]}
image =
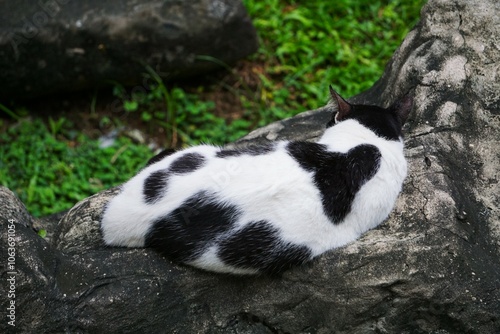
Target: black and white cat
{"points": [[266, 208]]}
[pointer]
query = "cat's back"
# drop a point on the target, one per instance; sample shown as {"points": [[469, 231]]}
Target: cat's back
{"points": [[261, 182]]}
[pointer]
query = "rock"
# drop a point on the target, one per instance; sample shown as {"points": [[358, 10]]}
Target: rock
{"points": [[54, 46], [432, 267], [48, 224], [79, 228], [12, 207]]}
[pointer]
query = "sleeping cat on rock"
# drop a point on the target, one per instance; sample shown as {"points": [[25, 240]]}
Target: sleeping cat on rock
{"points": [[264, 209]]}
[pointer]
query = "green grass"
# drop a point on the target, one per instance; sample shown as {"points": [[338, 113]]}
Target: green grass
{"points": [[308, 45], [304, 47], [50, 174], [187, 119]]}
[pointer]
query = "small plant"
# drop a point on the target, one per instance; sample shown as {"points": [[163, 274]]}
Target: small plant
{"points": [[17, 115], [42, 233], [56, 125]]}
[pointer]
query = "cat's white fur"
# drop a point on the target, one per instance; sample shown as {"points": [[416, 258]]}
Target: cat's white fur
{"points": [[271, 187]]}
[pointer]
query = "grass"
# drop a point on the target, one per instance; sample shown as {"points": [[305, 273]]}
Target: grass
{"points": [[309, 45], [51, 168], [188, 119], [304, 47]]}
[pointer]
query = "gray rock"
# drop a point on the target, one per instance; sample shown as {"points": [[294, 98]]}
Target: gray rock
{"points": [[51, 46], [432, 267], [79, 228]]}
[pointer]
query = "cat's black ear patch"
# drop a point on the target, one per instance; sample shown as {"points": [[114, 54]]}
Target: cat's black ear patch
{"points": [[187, 163], [403, 107], [343, 107], [155, 185], [253, 150], [160, 156], [258, 245], [190, 229], [385, 123]]}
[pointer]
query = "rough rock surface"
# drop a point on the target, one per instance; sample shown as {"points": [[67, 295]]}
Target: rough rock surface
{"points": [[58, 45], [431, 268]]}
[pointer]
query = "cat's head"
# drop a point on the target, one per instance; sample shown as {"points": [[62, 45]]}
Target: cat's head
{"points": [[385, 122]]}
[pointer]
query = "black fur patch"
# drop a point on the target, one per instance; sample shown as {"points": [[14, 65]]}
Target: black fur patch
{"points": [[187, 163], [381, 121], [155, 185], [160, 156], [258, 246], [338, 176], [190, 229], [250, 150]]}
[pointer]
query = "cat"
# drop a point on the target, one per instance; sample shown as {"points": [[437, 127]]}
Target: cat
{"points": [[264, 209]]}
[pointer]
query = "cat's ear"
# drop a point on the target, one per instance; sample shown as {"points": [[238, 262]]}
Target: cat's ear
{"points": [[343, 107], [403, 107]]}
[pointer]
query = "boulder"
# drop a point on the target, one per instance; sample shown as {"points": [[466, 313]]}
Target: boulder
{"points": [[432, 267], [52, 46]]}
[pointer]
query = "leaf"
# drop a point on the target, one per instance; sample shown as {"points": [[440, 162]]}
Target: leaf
{"points": [[42, 233], [130, 105]]}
